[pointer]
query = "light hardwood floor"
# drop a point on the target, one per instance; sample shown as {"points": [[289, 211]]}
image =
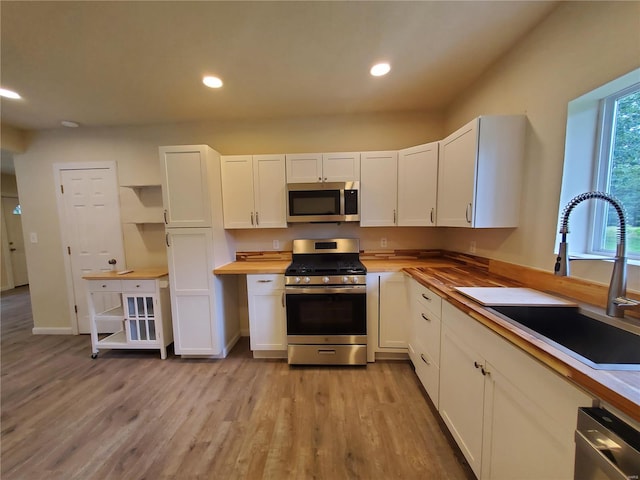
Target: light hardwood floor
{"points": [[130, 415]]}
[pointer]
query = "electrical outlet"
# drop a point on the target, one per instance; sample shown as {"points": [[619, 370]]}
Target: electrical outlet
{"points": [[276, 244], [472, 246], [383, 242]]}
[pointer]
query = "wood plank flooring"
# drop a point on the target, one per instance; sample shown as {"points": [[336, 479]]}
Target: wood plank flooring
{"points": [[130, 415]]}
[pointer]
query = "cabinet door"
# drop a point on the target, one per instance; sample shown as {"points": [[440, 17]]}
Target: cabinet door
{"points": [[456, 177], [190, 275], [269, 191], [185, 193], [267, 320], [418, 185], [304, 168], [237, 191], [378, 188], [394, 311], [462, 394], [340, 167]]}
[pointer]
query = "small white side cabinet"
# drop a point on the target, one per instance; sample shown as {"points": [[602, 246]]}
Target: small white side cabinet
{"points": [[253, 191], [379, 189], [323, 167], [267, 316], [144, 312], [510, 415], [480, 173]]}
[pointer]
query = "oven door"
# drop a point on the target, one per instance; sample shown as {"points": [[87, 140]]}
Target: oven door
{"points": [[326, 315]]}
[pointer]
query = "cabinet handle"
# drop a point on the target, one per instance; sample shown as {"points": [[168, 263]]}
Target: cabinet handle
{"points": [[467, 213], [165, 217], [257, 221], [424, 359], [325, 179], [426, 298], [484, 372], [431, 215], [425, 317], [394, 216], [265, 281], [166, 239], [137, 286], [283, 300], [319, 179], [251, 218], [104, 286], [477, 365]]}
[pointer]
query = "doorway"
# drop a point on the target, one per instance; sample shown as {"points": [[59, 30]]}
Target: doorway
{"points": [[13, 252]]}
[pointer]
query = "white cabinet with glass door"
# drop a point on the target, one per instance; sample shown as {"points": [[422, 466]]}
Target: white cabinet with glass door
{"points": [[379, 189], [323, 167], [418, 185], [480, 173], [253, 190]]}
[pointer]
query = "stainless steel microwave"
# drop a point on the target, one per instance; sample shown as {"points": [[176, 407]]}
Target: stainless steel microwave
{"points": [[323, 202]]}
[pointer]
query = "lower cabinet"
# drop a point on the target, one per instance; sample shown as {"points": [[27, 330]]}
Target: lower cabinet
{"points": [[267, 315], [510, 415]]}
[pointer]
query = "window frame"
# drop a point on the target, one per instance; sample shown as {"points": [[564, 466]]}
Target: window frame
{"points": [[602, 171]]}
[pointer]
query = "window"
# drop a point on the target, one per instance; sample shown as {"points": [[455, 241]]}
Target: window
{"points": [[618, 171]]}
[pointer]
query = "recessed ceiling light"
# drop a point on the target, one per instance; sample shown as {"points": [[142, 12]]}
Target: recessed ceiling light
{"points": [[9, 93], [70, 124], [212, 82], [380, 69]]}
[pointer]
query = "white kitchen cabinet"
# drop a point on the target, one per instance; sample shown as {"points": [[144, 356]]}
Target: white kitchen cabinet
{"points": [[138, 303], [267, 316], [186, 172], [378, 189], [511, 416], [424, 337], [323, 167], [480, 173], [387, 314], [418, 185], [205, 320], [253, 190]]}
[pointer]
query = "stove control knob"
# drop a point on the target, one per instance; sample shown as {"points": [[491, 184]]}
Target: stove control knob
{"points": [[297, 279], [325, 279], [354, 279], [307, 280], [345, 279]]}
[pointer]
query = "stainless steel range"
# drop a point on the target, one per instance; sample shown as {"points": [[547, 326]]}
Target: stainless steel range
{"points": [[325, 288]]}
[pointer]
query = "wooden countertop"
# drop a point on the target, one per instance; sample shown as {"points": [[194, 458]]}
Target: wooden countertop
{"points": [[441, 273], [618, 388], [136, 274]]}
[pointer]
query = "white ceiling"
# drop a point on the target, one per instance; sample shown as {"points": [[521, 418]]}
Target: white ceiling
{"points": [[125, 63]]}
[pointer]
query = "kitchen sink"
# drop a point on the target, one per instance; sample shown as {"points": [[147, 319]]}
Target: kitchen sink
{"points": [[597, 343]]}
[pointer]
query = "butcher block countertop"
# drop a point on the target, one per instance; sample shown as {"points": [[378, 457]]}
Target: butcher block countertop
{"points": [[135, 274]]}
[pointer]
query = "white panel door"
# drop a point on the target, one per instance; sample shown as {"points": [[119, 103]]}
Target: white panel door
{"points": [[418, 185], [379, 189], [13, 223], [394, 311], [91, 230], [191, 281], [185, 192], [270, 199], [340, 167], [267, 315], [304, 168]]}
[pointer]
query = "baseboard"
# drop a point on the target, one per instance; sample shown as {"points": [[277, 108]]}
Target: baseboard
{"points": [[52, 331], [230, 344]]}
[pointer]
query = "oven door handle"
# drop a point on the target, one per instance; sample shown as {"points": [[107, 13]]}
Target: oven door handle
{"points": [[323, 290]]}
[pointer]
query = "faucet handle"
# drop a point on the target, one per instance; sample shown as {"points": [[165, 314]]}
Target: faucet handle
{"points": [[626, 303]]}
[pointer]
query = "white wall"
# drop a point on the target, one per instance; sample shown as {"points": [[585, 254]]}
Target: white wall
{"points": [[135, 149], [579, 47]]}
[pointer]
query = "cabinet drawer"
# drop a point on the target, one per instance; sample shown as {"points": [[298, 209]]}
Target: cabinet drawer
{"points": [[133, 286], [428, 299], [426, 328], [105, 285], [264, 283], [427, 370]]}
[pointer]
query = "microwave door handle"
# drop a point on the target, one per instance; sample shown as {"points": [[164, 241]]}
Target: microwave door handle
{"points": [[341, 202]]}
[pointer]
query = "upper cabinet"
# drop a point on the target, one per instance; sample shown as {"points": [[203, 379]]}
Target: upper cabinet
{"points": [[480, 173], [253, 191], [379, 189], [323, 167], [186, 182], [418, 185]]}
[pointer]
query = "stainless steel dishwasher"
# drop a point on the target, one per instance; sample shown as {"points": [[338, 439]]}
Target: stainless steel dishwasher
{"points": [[606, 447]]}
